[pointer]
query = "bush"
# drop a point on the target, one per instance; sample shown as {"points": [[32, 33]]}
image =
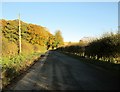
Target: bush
{"points": [[14, 66], [26, 48], [37, 48], [105, 49], [8, 48], [42, 49]]}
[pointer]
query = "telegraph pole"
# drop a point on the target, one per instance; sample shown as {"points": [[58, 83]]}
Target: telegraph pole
{"points": [[19, 35]]}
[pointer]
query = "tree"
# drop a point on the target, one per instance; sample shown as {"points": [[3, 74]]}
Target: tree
{"points": [[31, 33], [50, 41], [58, 38]]}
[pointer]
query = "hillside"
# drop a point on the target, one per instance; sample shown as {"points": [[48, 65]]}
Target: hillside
{"points": [[35, 40], [32, 33], [35, 35]]}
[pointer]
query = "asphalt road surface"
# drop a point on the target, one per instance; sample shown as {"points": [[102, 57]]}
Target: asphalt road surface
{"points": [[56, 71]]}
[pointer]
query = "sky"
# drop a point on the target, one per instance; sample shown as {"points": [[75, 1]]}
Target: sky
{"points": [[74, 19], [60, 0]]}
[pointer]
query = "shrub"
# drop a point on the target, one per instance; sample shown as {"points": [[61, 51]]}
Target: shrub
{"points": [[13, 66], [9, 48], [36, 48], [26, 47]]}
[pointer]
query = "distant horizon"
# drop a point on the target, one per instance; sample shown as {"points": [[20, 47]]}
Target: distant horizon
{"points": [[74, 20]]}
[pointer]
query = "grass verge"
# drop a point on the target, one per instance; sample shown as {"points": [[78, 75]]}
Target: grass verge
{"points": [[15, 66]]}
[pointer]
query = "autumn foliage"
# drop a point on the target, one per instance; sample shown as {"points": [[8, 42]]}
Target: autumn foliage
{"points": [[35, 39]]}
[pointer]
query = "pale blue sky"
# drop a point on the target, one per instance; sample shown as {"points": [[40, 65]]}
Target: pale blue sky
{"points": [[75, 20]]}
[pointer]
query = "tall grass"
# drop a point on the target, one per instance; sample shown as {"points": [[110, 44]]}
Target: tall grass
{"points": [[14, 66]]}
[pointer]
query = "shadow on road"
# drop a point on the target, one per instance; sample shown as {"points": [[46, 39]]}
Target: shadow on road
{"points": [[56, 71]]}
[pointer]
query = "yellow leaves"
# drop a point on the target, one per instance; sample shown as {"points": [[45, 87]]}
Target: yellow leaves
{"points": [[29, 30], [34, 34]]}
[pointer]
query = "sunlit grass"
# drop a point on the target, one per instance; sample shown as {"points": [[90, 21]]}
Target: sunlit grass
{"points": [[14, 66]]}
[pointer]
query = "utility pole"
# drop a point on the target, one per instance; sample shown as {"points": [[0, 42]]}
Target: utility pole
{"points": [[19, 35]]}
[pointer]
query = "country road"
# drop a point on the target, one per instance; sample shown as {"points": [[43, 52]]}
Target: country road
{"points": [[57, 71]]}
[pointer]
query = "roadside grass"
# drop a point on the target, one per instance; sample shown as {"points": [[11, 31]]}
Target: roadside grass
{"points": [[102, 64], [13, 67]]}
